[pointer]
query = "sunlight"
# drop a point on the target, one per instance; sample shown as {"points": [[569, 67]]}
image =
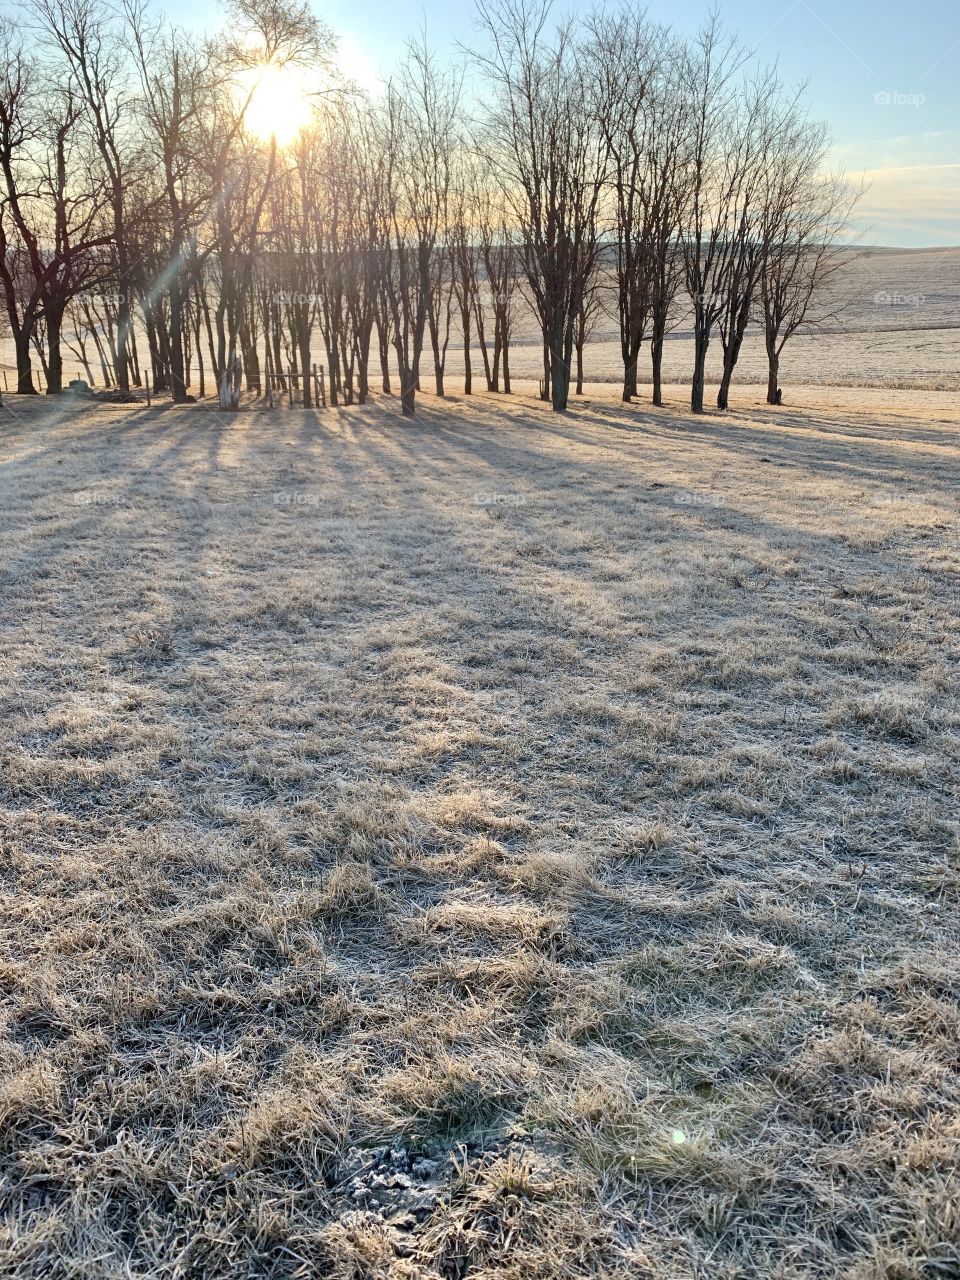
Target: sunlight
{"points": [[280, 105]]}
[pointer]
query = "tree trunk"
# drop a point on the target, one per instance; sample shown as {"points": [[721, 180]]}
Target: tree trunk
{"points": [[723, 392], [134, 358], [156, 362], [305, 366], [21, 343], [230, 380], [251, 360], [178, 377], [631, 340], [163, 351], [201, 377], [438, 364], [54, 354], [559, 386], [111, 337], [629, 380], [730, 357], [124, 325], [467, 367], [383, 340], [277, 355], [408, 393], [363, 360], [701, 341], [334, 380], [215, 356], [773, 375], [484, 353], [656, 367], [560, 372], [347, 360]]}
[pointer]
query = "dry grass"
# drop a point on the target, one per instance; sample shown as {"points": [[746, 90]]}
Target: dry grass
{"points": [[495, 846]]}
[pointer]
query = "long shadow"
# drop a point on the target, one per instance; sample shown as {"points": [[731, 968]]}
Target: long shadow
{"points": [[809, 449], [438, 447], [453, 453]]}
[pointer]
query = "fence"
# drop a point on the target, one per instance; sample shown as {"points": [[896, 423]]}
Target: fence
{"points": [[290, 386], [287, 386]]}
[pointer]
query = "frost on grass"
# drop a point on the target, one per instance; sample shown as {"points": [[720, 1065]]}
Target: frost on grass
{"points": [[401, 886]]}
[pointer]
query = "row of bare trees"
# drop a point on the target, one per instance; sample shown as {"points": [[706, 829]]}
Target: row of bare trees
{"points": [[677, 172], [599, 167]]}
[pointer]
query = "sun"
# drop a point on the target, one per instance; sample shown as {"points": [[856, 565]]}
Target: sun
{"points": [[279, 104]]}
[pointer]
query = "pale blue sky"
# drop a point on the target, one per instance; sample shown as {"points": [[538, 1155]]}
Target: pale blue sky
{"points": [[885, 75]]}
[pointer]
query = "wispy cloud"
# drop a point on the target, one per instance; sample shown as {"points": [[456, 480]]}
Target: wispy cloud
{"points": [[912, 204]]}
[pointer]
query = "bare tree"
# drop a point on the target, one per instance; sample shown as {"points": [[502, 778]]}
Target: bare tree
{"points": [[363, 274], [466, 255], [551, 155], [86, 34], [418, 128], [712, 182], [621, 53], [501, 276], [299, 254], [51, 202], [768, 120], [268, 34], [174, 79], [805, 241], [663, 194], [431, 97], [405, 261]]}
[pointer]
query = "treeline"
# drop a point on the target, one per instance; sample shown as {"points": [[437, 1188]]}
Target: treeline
{"points": [[595, 166]]}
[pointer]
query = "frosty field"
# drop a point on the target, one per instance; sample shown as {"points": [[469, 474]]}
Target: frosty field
{"points": [[888, 320], [498, 845]]}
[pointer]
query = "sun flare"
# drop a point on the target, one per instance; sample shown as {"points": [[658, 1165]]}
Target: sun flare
{"points": [[279, 102]]}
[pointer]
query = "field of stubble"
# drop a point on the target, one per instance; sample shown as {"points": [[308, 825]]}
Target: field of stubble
{"points": [[499, 846]]}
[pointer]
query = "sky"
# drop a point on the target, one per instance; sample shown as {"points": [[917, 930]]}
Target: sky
{"points": [[884, 75]]}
